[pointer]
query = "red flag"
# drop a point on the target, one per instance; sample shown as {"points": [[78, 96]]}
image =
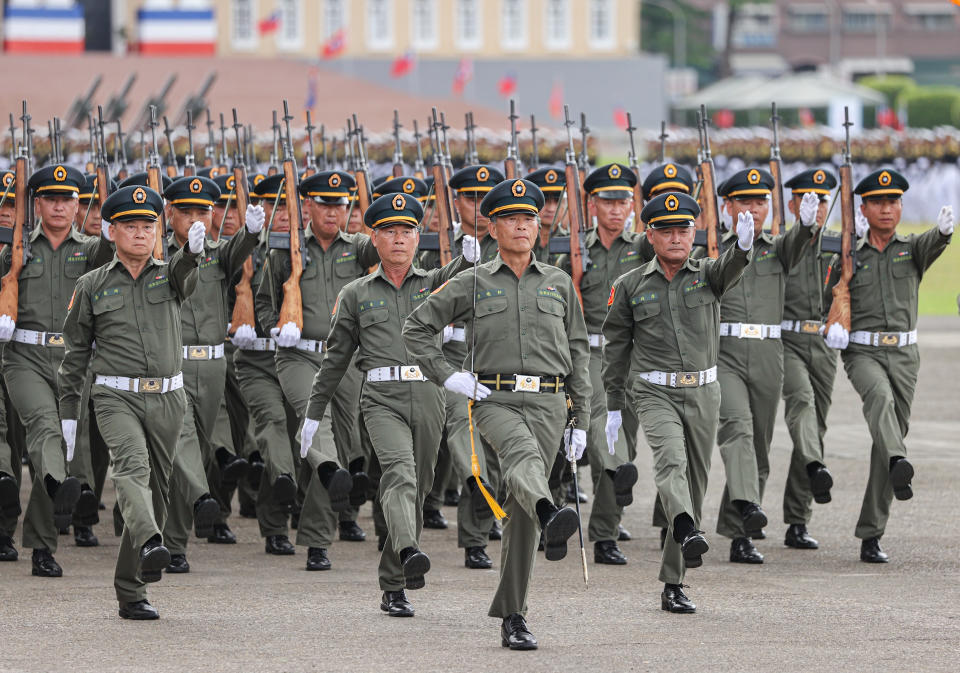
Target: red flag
{"points": [[723, 119], [507, 85], [620, 117], [402, 65], [463, 75], [556, 101], [336, 45], [269, 24]]}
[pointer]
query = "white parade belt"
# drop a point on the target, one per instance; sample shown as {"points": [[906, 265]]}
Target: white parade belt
{"points": [[749, 330], [29, 336], [143, 384], [260, 344], [802, 326], [311, 345], [458, 334], [596, 340], [884, 339], [681, 379], [203, 352], [401, 373]]}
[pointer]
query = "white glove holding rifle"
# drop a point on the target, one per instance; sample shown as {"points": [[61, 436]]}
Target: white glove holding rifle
{"points": [[745, 231]]}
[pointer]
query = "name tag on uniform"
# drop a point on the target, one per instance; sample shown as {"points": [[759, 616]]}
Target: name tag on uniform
{"points": [[526, 384], [750, 331], [411, 373]]}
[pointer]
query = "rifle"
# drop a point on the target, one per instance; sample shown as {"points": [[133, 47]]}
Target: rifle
{"points": [[419, 170], [195, 103], [663, 141], [91, 164], [22, 222], [102, 181], [210, 150], [143, 152], [840, 308], [397, 149], [155, 182], [708, 193], [222, 168], [273, 169], [57, 140], [324, 163], [80, 108], [361, 175], [117, 104], [243, 312], [156, 102], [578, 213], [510, 165], [535, 156], [311, 160], [291, 310], [584, 165], [13, 139], [172, 169], [441, 190], [635, 167], [472, 158], [189, 164], [447, 160], [120, 152], [248, 144], [776, 170]]}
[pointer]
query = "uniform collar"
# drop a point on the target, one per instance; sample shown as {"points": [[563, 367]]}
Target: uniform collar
{"points": [[497, 263], [900, 238], [592, 237], [412, 271], [38, 231], [152, 261], [654, 265]]}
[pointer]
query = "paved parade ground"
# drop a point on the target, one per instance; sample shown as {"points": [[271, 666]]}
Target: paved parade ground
{"points": [[241, 610]]}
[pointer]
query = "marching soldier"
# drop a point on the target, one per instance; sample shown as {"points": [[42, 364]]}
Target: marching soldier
{"points": [[403, 414], [87, 219], [59, 256], [552, 182], [204, 319], [612, 252], [750, 367], [131, 309], [662, 348], [880, 353], [332, 259], [10, 452], [809, 367], [531, 347]]}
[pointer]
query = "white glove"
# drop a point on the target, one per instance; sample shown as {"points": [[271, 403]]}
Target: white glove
{"points": [[244, 336], [614, 421], [575, 445], [465, 383], [196, 236], [745, 230], [837, 337], [471, 249], [809, 205], [306, 435], [860, 225], [7, 325], [447, 333], [69, 428], [255, 218], [286, 336], [105, 230], [945, 220]]}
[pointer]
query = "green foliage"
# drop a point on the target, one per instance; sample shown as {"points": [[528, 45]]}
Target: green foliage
{"points": [[891, 86], [656, 36], [928, 107]]}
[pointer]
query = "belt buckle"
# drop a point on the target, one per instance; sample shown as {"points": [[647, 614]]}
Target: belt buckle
{"points": [[688, 379], [526, 384], [810, 326], [889, 339], [198, 352], [751, 331], [411, 373], [53, 339], [151, 385]]}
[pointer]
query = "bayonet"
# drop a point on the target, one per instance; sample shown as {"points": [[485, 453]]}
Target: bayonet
{"points": [[397, 149], [535, 157], [189, 163], [311, 162], [419, 169], [323, 149], [211, 149], [171, 155]]}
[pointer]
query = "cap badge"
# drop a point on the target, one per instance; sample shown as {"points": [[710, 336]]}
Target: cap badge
{"points": [[408, 186], [139, 195], [670, 171], [551, 176], [753, 177], [819, 177], [518, 189], [59, 173], [334, 180], [196, 186], [399, 203], [884, 179], [483, 174], [671, 203], [614, 172]]}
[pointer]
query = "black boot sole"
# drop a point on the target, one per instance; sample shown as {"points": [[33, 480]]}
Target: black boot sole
{"points": [[820, 486], [339, 490], [284, 490], [204, 516], [9, 498], [624, 479], [65, 502], [558, 530], [87, 509], [900, 477], [414, 568], [755, 521]]}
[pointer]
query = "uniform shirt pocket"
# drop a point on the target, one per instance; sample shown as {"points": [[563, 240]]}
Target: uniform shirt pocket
{"points": [[489, 319], [373, 316]]}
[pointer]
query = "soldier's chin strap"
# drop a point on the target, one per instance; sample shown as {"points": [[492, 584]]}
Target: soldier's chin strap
{"points": [[475, 469]]}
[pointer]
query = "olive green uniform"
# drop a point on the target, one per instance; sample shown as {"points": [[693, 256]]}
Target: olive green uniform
{"points": [[325, 273], [532, 325], [403, 418], [883, 298], [656, 325], [136, 325], [809, 368], [627, 252], [472, 529], [47, 282], [274, 421], [750, 371], [204, 318]]}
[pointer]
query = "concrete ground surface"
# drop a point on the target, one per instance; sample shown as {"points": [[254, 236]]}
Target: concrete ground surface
{"points": [[241, 610]]}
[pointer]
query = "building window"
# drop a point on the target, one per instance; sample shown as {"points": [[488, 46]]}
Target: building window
{"points": [[557, 24], [931, 16], [424, 24], [513, 24], [243, 24], [865, 18], [468, 24], [601, 24], [755, 26], [379, 24], [808, 18], [290, 33], [334, 17]]}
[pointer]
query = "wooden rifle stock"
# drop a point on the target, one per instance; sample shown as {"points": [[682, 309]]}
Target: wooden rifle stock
{"points": [[10, 290], [708, 209], [444, 213], [243, 312], [776, 198], [155, 182], [840, 308], [291, 310], [577, 224]]}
